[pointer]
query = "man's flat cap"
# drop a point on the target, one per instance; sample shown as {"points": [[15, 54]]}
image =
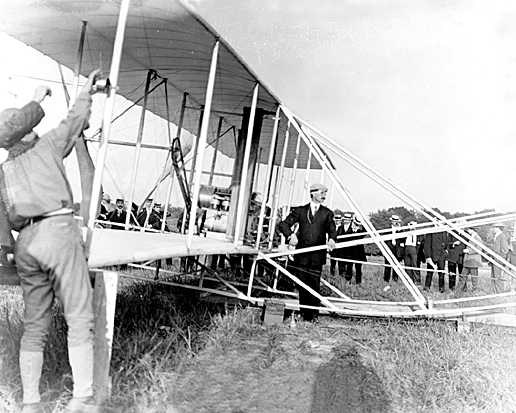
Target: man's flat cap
{"points": [[318, 187]]}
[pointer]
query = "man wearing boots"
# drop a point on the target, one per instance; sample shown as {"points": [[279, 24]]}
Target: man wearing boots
{"points": [[49, 250]]}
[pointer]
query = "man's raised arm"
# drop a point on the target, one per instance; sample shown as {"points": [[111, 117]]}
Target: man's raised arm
{"points": [[19, 122], [68, 131]]}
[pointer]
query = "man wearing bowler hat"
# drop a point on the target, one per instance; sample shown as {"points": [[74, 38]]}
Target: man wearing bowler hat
{"points": [[49, 253], [316, 227]]}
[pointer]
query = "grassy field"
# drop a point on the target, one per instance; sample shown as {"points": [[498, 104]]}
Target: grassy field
{"points": [[175, 353]]}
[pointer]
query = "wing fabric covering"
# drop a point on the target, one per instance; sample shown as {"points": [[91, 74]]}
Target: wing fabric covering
{"points": [[161, 35]]}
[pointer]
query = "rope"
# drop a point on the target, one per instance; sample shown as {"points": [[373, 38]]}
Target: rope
{"points": [[378, 264]]}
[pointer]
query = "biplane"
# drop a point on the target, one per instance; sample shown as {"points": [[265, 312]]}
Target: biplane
{"points": [[213, 98]]}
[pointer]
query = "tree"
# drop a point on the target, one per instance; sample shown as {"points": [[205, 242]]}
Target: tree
{"points": [[381, 218]]}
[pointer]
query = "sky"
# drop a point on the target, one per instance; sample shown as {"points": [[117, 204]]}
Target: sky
{"points": [[423, 91]]}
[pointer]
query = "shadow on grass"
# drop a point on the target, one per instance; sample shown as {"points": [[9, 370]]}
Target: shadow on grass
{"points": [[345, 384]]}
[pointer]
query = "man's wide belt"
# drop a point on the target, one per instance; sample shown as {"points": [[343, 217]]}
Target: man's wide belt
{"points": [[35, 220]]}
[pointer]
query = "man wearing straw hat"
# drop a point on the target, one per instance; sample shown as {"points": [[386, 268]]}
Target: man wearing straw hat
{"points": [[410, 256], [316, 227]]}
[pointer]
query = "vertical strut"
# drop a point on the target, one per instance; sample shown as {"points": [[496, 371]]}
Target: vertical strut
{"points": [[215, 151], [268, 179], [277, 191], [242, 209], [108, 114], [138, 147], [202, 143]]}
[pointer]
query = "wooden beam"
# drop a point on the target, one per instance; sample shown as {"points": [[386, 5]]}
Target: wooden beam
{"points": [[104, 303]]}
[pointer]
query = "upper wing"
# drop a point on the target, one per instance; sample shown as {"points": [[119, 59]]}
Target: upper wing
{"points": [[163, 35]]}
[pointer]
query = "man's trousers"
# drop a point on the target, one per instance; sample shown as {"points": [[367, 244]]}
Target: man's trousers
{"points": [[51, 263], [411, 261], [311, 276], [347, 269], [430, 273], [454, 269]]}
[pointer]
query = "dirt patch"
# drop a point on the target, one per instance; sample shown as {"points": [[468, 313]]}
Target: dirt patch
{"points": [[280, 370]]}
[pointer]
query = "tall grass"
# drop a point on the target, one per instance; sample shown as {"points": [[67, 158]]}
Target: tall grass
{"points": [[174, 352], [155, 332]]}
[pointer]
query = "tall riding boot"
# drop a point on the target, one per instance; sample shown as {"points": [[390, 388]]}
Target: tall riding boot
{"points": [[31, 363], [81, 362]]}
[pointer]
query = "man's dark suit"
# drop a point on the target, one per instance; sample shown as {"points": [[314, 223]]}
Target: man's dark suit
{"points": [[154, 220], [307, 267], [436, 248], [117, 216], [356, 252], [398, 251]]}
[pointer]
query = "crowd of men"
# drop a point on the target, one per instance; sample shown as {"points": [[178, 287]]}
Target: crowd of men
{"points": [[314, 224], [150, 216], [51, 262], [442, 253]]}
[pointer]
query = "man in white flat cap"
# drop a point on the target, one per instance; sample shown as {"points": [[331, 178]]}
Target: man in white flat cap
{"points": [[316, 227]]}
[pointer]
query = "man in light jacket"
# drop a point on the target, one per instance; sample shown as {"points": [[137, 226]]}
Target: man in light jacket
{"points": [[501, 247], [49, 253], [472, 262]]}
